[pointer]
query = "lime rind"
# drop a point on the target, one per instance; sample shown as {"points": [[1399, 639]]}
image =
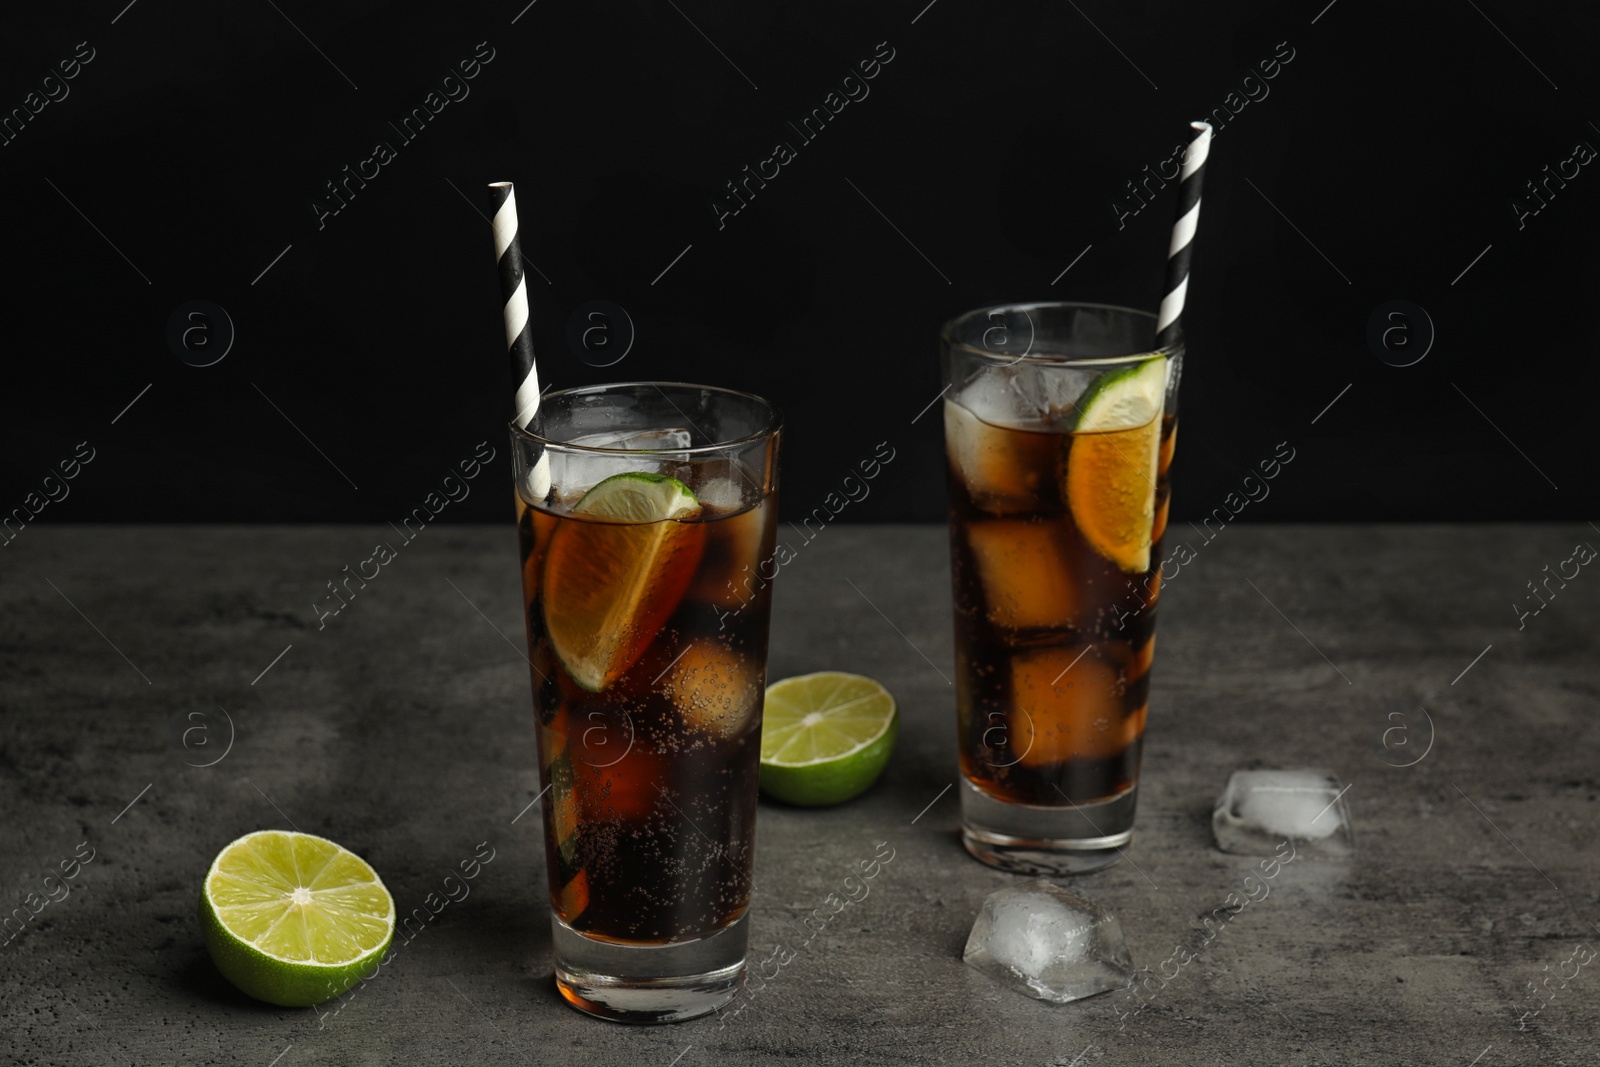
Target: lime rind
{"points": [[1110, 491], [638, 497], [1125, 398]]}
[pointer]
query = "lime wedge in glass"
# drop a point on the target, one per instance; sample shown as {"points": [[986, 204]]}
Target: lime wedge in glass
{"points": [[1110, 476], [294, 919], [825, 737], [615, 572]]}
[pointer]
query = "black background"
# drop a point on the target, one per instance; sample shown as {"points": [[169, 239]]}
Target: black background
{"points": [[987, 157]]}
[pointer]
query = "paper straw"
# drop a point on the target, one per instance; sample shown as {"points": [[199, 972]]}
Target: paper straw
{"points": [[1169, 322], [519, 334]]}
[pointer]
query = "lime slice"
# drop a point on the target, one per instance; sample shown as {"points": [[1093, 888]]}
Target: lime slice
{"points": [[613, 577], [1110, 476], [825, 737], [638, 496], [1124, 399], [293, 919]]}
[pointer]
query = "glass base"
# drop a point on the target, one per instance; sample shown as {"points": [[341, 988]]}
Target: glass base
{"points": [[1033, 839], [649, 983]]}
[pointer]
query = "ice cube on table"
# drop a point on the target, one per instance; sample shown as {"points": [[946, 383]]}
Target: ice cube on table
{"points": [[1049, 943], [1259, 810], [572, 473]]}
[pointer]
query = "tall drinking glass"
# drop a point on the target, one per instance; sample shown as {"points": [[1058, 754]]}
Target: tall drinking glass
{"points": [[1059, 428], [644, 512]]}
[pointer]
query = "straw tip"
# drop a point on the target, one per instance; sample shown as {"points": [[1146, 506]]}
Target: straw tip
{"points": [[501, 185], [1201, 127]]}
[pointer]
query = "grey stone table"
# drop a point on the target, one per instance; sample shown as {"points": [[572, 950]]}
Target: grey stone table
{"points": [[129, 658]]}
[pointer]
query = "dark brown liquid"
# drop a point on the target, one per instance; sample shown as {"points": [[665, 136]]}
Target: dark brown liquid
{"points": [[650, 811], [1054, 641]]}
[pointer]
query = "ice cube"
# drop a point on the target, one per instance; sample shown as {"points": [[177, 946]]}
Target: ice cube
{"points": [[1023, 569], [1259, 810], [714, 688], [725, 483], [1028, 394], [990, 398], [572, 473], [663, 440], [1049, 943], [722, 494], [1067, 703], [733, 569], [1006, 470], [1048, 394]]}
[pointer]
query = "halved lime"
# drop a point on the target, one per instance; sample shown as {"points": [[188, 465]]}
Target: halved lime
{"points": [[294, 919], [1110, 476], [825, 737], [613, 577]]}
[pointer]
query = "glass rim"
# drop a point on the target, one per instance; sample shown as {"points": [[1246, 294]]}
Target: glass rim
{"points": [[947, 335], [772, 427]]}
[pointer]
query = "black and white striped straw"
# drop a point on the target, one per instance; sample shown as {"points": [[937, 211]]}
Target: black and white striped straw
{"points": [[1169, 322], [514, 286], [519, 333]]}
